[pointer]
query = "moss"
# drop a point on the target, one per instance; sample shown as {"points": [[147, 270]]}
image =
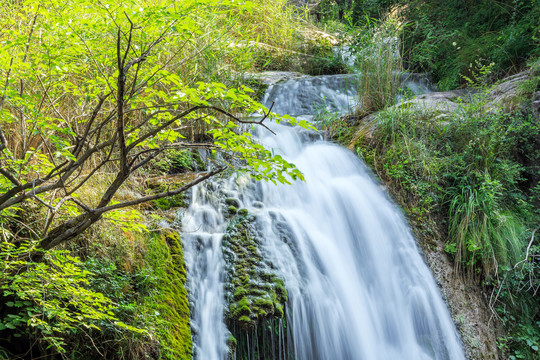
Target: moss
{"points": [[254, 291], [279, 310], [232, 202], [244, 321], [179, 161], [231, 341], [243, 212], [169, 202], [239, 293], [170, 300]]}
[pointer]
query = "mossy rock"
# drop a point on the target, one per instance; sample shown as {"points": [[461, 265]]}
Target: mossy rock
{"points": [[231, 210], [232, 202], [179, 161], [255, 293], [171, 299], [243, 212]]}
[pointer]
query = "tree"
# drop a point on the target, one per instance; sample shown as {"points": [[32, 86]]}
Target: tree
{"points": [[93, 87]]}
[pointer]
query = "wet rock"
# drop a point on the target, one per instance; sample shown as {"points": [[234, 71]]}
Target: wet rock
{"points": [[274, 77], [255, 295], [232, 202], [257, 205]]}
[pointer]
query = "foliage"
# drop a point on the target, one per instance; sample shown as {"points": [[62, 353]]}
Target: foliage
{"points": [[335, 127], [352, 12], [321, 59], [471, 175], [176, 161], [379, 62], [467, 164], [115, 91], [94, 97], [515, 299], [50, 300], [452, 38]]}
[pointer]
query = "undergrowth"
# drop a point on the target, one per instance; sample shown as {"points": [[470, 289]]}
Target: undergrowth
{"points": [[475, 173]]}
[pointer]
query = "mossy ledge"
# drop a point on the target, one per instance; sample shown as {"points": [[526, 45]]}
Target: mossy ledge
{"points": [[255, 295], [171, 300]]}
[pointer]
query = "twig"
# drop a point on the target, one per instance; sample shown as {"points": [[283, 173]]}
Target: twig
{"points": [[528, 248]]}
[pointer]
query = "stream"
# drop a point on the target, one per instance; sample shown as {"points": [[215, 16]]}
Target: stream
{"points": [[357, 285]]}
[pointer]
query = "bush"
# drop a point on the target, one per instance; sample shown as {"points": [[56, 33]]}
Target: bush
{"points": [[51, 300]]}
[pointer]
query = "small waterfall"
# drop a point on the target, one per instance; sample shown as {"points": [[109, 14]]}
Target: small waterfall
{"points": [[357, 285], [202, 227]]}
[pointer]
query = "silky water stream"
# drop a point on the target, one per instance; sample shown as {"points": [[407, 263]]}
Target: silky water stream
{"points": [[358, 287]]}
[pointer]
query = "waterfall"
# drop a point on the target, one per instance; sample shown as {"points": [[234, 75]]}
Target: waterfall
{"points": [[357, 285]]}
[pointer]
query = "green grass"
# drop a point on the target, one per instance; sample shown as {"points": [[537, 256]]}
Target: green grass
{"points": [[463, 168]]}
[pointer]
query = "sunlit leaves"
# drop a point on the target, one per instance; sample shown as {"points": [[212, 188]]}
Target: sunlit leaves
{"points": [[51, 296]]}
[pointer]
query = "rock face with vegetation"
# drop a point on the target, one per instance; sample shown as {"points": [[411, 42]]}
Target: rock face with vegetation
{"points": [[464, 166], [256, 296]]}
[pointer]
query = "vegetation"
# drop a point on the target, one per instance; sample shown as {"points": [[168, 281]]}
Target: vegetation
{"points": [[469, 174], [96, 98], [452, 39], [256, 295], [379, 62]]}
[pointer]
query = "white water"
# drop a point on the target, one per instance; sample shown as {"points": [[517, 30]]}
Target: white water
{"points": [[358, 287]]}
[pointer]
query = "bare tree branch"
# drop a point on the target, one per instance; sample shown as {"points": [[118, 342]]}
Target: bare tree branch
{"points": [[73, 227], [160, 195], [10, 177]]}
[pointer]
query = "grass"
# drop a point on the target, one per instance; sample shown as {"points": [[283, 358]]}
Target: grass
{"points": [[481, 236], [379, 63], [463, 169]]}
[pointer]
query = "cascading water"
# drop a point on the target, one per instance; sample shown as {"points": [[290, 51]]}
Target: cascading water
{"points": [[357, 285]]}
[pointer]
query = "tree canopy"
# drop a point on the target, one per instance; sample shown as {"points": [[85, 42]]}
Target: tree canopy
{"points": [[105, 87]]}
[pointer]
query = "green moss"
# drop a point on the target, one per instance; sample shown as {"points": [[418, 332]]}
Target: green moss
{"points": [[231, 210], [169, 202], [279, 310], [179, 161], [255, 291], [232, 202], [242, 212], [244, 321], [239, 293], [231, 341], [169, 302]]}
